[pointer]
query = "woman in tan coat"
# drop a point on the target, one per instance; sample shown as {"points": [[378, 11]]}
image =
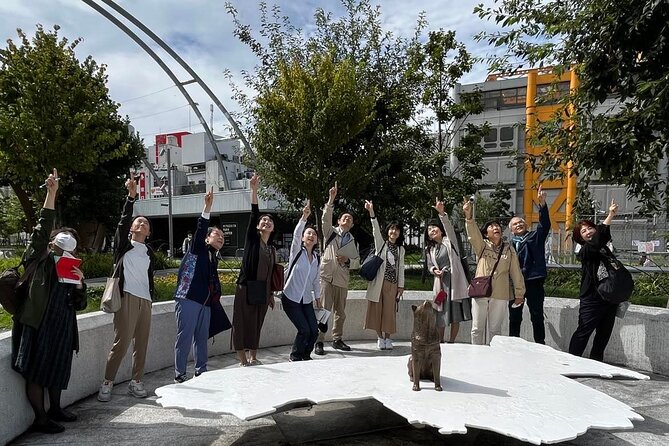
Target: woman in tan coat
{"points": [[387, 287], [488, 313]]}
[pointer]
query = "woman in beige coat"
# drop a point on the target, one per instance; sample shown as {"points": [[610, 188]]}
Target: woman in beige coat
{"points": [[488, 313], [385, 290]]}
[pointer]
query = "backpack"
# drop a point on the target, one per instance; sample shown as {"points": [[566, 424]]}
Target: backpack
{"points": [[14, 286]]}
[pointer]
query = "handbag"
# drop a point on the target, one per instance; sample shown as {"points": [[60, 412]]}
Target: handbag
{"points": [[482, 286], [371, 266], [111, 297], [619, 285], [277, 282], [256, 292]]}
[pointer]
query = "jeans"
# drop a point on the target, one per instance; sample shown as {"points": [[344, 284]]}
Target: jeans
{"points": [[303, 317], [534, 299], [192, 329]]}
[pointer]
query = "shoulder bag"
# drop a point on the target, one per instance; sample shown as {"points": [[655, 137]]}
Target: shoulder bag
{"points": [[482, 286]]}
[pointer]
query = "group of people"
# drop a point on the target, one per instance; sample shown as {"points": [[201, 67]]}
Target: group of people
{"points": [[45, 332]]}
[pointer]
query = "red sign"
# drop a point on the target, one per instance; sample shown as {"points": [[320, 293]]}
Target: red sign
{"points": [[142, 186]]}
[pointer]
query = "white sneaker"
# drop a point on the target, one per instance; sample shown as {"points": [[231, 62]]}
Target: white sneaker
{"points": [[136, 389], [389, 344], [381, 343], [104, 394]]}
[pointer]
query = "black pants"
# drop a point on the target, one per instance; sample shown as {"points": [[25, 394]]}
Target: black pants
{"points": [[303, 317], [534, 299], [594, 314]]}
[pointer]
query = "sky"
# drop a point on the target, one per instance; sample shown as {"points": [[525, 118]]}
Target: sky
{"points": [[201, 32]]}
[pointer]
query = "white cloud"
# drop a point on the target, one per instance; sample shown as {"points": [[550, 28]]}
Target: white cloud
{"points": [[201, 32]]}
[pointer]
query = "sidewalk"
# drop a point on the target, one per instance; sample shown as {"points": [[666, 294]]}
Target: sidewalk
{"points": [[129, 421]]}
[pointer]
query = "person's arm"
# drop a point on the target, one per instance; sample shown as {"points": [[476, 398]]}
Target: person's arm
{"points": [[376, 229], [252, 229], [199, 243], [121, 240], [613, 210], [296, 244], [544, 226], [326, 220], [40, 237], [516, 278], [473, 233], [448, 226]]}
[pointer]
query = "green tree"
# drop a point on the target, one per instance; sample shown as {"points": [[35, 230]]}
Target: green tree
{"points": [[55, 111], [344, 104], [437, 66], [494, 207], [12, 218], [620, 51]]}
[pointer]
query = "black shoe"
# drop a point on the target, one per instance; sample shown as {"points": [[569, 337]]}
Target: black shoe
{"points": [[295, 358], [62, 415], [319, 349], [179, 379], [307, 357], [47, 427], [340, 345]]}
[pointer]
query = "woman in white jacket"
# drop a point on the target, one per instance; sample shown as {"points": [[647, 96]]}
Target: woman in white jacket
{"points": [[443, 262], [385, 290]]}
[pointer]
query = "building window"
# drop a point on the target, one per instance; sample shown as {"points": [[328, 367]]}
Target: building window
{"points": [[499, 139]]}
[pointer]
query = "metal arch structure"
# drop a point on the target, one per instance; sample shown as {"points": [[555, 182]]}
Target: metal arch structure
{"points": [[172, 76], [189, 70]]}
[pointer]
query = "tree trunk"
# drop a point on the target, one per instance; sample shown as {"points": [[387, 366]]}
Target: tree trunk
{"points": [[27, 206]]}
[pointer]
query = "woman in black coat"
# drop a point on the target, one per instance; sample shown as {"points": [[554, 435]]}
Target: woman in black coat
{"points": [[594, 313]]}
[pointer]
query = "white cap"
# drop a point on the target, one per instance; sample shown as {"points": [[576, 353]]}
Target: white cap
{"points": [[65, 241]]}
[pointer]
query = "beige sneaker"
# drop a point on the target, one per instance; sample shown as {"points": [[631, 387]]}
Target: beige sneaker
{"points": [[104, 394], [136, 389]]}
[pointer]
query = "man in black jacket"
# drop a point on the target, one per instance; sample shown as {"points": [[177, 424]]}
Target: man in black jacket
{"points": [[530, 246]]}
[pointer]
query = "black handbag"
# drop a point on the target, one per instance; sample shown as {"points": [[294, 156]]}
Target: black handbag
{"points": [[619, 285], [256, 292], [371, 266]]}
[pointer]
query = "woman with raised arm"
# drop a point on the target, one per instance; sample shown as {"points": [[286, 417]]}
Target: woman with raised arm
{"points": [[45, 331], [303, 287], [496, 258], [442, 253], [594, 313], [133, 261], [253, 294], [386, 289]]}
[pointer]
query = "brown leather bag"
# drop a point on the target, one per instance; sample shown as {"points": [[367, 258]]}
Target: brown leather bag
{"points": [[482, 286], [277, 277]]}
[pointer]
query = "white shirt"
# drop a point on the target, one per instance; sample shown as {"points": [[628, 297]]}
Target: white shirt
{"points": [[136, 271], [304, 278]]}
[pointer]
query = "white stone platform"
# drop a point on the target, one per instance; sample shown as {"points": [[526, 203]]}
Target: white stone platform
{"points": [[515, 388]]}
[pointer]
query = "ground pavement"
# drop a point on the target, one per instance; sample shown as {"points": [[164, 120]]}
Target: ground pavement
{"points": [[130, 421]]}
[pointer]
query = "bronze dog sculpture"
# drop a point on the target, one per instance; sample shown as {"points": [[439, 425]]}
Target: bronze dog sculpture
{"points": [[425, 359]]}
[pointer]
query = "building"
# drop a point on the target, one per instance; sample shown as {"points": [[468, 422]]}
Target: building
{"points": [[196, 170], [512, 106]]}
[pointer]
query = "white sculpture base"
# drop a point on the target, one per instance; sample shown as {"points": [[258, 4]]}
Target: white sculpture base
{"points": [[513, 387]]}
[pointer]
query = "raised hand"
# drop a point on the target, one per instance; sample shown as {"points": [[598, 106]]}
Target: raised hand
{"points": [[306, 210], [541, 196], [254, 181], [332, 193], [52, 182], [613, 208], [369, 206], [467, 208], [439, 206], [131, 185], [209, 199]]}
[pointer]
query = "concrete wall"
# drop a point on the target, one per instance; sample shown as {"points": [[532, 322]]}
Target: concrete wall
{"points": [[639, 341]]}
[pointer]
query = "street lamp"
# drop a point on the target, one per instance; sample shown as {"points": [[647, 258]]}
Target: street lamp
{"points": [[166, 149]]}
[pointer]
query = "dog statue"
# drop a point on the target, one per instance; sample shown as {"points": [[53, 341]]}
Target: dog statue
{"points": [[425, 359]]}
